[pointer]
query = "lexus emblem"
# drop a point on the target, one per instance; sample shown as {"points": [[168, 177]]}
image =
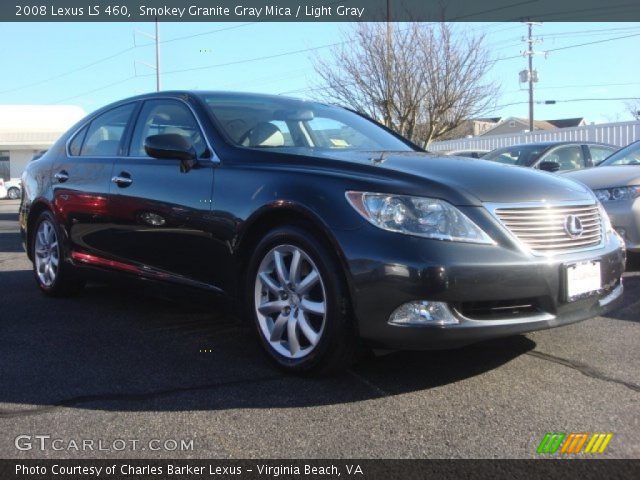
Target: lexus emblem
{"points": [[573, 226]]}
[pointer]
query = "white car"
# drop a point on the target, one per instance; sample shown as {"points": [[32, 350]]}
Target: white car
{"points": [[11, 189]]}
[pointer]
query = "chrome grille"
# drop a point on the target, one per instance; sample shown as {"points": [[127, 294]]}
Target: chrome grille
{"points": [[542, 228]]}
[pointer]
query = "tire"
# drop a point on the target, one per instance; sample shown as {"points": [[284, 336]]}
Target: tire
{"points": [[54, 276], [287, 313], [13, 193]]}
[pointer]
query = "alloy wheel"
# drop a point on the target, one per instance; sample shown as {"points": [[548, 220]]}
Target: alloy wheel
{"points": [[13, 194], [47, 253], [290, 301]]}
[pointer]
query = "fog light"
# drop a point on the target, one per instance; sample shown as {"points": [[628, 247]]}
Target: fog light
{"points": [[423, 313]]}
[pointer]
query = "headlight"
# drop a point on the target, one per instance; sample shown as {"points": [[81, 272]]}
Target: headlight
{"points": [[420, 216], [617, 193]]}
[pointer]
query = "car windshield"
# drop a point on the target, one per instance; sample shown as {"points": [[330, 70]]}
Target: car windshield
{"points": [[288, 124], [629, 155], [521, 155]]}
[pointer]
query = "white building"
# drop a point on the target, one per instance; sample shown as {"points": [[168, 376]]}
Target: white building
{"points": [[26, 130]]}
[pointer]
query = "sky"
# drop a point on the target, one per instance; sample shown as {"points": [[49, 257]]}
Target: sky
{"points": [[93, 64]]}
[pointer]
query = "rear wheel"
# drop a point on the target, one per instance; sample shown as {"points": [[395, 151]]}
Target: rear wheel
{"points": [[53, 275], [13, 193], [298, 303]]}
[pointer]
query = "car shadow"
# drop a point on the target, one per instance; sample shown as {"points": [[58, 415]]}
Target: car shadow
{"points": [[10, 242], [137, 347]]}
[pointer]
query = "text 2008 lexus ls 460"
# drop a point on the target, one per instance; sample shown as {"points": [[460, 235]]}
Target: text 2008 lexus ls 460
{"points": [[330, 230]]}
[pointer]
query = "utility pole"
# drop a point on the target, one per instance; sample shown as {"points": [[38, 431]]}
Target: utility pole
{"points": [[156, 39], [158, 55], [531, 74]]}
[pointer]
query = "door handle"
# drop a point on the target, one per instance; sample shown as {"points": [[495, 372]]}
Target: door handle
{"points": [[122, 180], [62, 176]]}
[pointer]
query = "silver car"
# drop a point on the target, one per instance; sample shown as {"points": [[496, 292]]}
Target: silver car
{"points": [[616, 183]]}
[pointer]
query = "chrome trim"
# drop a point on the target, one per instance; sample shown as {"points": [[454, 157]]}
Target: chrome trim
{"points": [[531, 226], [118, 180], [613, 295], [215, 159]]}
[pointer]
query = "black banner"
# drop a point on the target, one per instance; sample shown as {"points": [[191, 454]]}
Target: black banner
{"points": [[317, 11], [317, 469]]}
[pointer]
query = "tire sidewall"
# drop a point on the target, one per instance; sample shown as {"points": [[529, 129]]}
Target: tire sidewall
{"points": [[55, 286], [336, 320]]}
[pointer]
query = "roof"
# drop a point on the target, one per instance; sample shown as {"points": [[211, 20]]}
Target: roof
{"points": [[566, 122], [35, 126], [39, 117]]}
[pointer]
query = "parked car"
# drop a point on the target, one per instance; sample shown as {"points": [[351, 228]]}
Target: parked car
{"points": [[467, 153], [553, 156], [616, 183], [3, 189], [14, 189], [330, 230]]}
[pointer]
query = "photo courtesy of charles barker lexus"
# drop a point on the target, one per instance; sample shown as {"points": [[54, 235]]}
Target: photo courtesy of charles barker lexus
{"points": [[377, 244]]}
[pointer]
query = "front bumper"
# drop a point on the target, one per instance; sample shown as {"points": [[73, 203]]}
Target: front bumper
{"points": [[625, 218], [480, 283]]}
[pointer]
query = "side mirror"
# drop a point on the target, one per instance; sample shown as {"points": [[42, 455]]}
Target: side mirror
{"points": [[171, 146], [549, 166]]}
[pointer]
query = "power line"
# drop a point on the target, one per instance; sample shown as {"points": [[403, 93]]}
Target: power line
{"points": [[117, 54], [574, 46], [75, 70], [96, 89]]}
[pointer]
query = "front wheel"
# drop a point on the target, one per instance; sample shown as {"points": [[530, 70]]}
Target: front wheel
{"points": [[299, 304]]}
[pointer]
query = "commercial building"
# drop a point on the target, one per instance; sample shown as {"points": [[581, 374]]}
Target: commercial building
{"points": [[27, 130]]}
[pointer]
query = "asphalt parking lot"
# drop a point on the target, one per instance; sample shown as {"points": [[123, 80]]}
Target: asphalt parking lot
{"points": [[126, 362]]}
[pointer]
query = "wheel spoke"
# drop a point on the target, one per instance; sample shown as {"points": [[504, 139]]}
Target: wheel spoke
{"points": [[308, 331], [54, 261], [308, 282], [312, 307], [281, 270], [268, 282], [278, 328], [292, 335], [268, 308], [41, 252], [294, 270]]}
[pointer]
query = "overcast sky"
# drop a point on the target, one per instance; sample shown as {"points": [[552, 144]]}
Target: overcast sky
{"points": [[51, 63]]}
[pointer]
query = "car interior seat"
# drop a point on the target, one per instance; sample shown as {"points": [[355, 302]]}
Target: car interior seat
{"points": [[264, 134]]}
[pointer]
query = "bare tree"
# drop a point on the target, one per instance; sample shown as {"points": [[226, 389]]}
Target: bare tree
{"points": [[422, 80], [634, 109]]}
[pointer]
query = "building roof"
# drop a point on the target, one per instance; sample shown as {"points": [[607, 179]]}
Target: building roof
{"points": [[566, 122], [35, 126]]}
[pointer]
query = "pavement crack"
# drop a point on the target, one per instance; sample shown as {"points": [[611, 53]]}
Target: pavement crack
{"points": [[109, 397], [584, 369]]}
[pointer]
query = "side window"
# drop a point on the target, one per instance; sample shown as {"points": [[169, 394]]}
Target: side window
{"points": [[599, 153], [76, 143], [166, 116], [105, 132], [569, 157]]}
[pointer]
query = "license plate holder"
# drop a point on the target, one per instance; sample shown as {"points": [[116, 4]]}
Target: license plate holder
{"points": [[582, 279]]}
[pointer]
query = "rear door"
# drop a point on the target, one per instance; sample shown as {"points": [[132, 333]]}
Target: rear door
{"points": [[160, 213], [81, 178]]}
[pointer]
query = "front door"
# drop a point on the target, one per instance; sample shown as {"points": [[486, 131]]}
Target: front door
{"points": [[159, 211]]}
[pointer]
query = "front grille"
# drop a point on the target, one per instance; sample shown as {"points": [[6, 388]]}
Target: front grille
{"points": [[543, 229]]}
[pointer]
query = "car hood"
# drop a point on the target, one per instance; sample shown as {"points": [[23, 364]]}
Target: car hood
{"points": [[486, 181], [607, 176]]}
